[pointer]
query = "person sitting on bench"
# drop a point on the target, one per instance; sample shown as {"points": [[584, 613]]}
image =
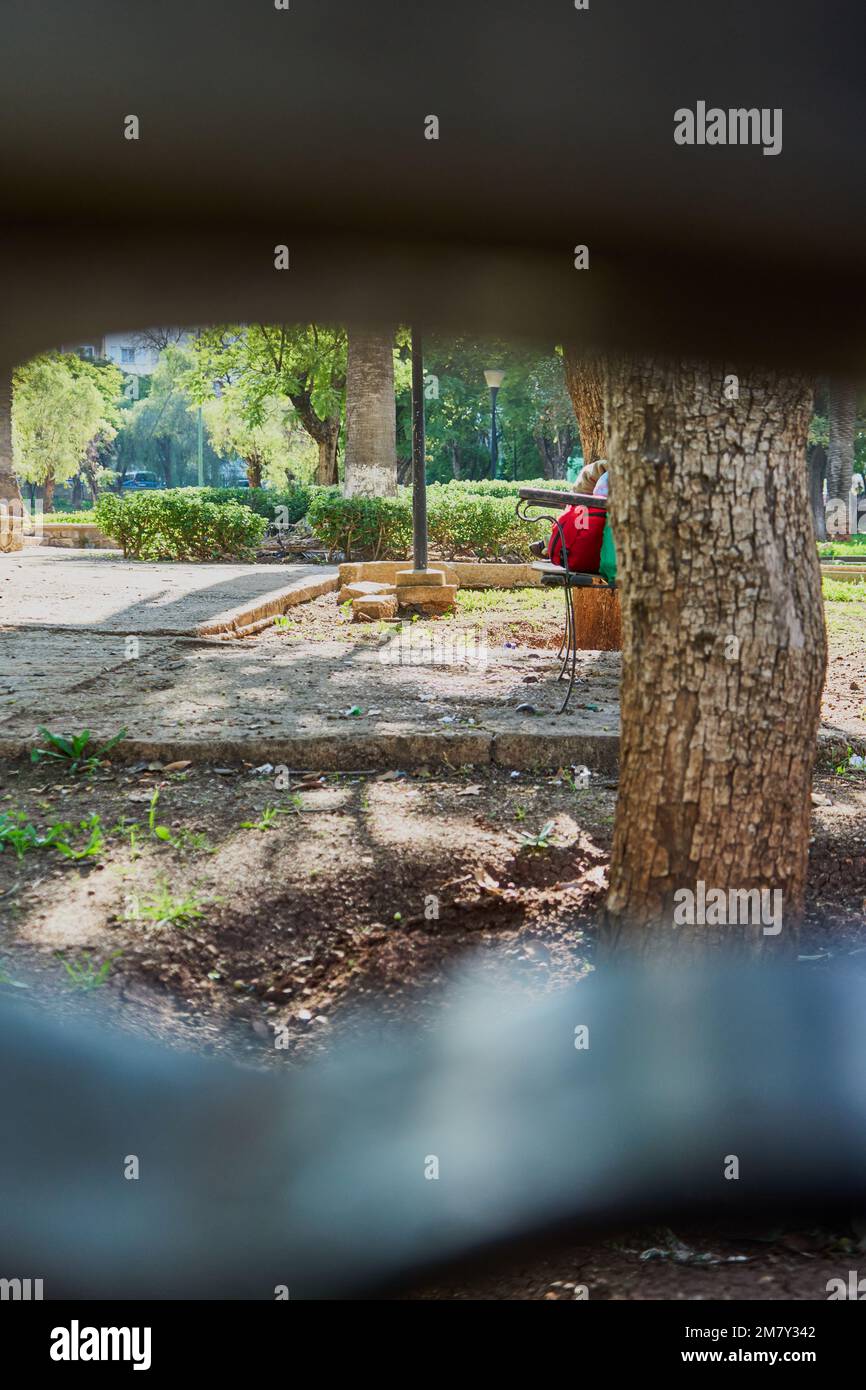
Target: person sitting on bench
{"points": [[581, 527]]}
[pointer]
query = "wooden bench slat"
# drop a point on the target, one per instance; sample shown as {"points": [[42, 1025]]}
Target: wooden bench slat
{"points": [[545, 496]]}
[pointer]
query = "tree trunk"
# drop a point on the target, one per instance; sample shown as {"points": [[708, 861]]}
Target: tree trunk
{"points": [[842, 405], [584, 378], [11, 506], [817, 470], [254, 470], [326, 468], [371, 424], [456, 464], [48, 493], [724, 654]]}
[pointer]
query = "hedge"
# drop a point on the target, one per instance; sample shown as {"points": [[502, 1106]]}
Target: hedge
{"points": [[179, 524], [265, 502], [502, 487], [380, 528], [465, 517]]}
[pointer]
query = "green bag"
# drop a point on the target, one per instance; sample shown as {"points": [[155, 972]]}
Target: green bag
{"points": [[607, 563]]}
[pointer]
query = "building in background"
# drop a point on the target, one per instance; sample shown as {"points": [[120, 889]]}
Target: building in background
{"points": [[136, 353]]}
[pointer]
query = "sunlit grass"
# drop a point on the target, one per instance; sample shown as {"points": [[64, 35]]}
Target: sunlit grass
{"points": [[844, 590]]}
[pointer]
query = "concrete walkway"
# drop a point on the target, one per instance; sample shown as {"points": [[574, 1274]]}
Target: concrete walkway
{"points": [[99, 591], [67, 661]]}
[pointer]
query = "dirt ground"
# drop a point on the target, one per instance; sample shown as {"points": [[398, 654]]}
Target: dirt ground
{"points": [[224, 906], [205, 901]]}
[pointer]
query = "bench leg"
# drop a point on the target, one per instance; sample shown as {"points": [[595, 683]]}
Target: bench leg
{"points": [[568, 650]]}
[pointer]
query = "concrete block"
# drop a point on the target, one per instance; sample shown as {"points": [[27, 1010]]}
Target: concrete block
{"points": [[426, 596], [415, 579], [374, 607]]}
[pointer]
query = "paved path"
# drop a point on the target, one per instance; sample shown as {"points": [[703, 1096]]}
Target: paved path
{"points": [[268, 699], [99, 591]]}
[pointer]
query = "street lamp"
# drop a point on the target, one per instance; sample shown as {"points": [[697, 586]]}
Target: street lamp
{"points": [[494, 377]]}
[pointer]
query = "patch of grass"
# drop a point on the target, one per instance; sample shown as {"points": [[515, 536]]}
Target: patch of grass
{"points": [[843, 590], [58, 517], [529, 602], [91, 827], [163, 909], [84, 973], [19, 833], [850, 548], [75, 751], [22, 835], [268, 819]]}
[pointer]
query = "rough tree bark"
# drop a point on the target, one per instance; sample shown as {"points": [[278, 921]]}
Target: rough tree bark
{"points": [[11, 507], [724, 650], [326, 433], [254, 470], [842, 404], [584, 380], [371, 423], [817, 471]]}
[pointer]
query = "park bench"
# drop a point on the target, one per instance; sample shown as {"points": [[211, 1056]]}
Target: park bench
{"points": [[601, 632]]}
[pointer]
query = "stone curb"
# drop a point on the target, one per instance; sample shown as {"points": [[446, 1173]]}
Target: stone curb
{"points": [[252, 616], [349, 750]]}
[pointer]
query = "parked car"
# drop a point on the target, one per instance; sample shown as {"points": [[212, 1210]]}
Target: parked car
{"points": [[137, 480]]}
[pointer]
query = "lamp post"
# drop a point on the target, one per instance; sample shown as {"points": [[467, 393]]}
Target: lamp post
{"points": [[494, 377]]}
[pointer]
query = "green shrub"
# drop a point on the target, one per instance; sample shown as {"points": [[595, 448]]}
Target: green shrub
{"points": [[179, 525], [265, 501], [462, 522], [502, 487], [379, 528]]}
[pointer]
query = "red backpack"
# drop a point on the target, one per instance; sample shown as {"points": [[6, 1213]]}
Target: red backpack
{"points": [[582, 528]]}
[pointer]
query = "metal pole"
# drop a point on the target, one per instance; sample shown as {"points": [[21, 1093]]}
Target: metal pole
{"points": [[494, 449], [419, 477], [200, 451]]}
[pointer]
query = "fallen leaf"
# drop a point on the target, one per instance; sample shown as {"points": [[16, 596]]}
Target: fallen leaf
{"points": [[486, 882]]}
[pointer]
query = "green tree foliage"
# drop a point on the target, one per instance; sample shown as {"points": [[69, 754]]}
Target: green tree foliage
{"points": [[304, 364], [535, 421], [275, 451], [160, 431], [60, 405]]}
